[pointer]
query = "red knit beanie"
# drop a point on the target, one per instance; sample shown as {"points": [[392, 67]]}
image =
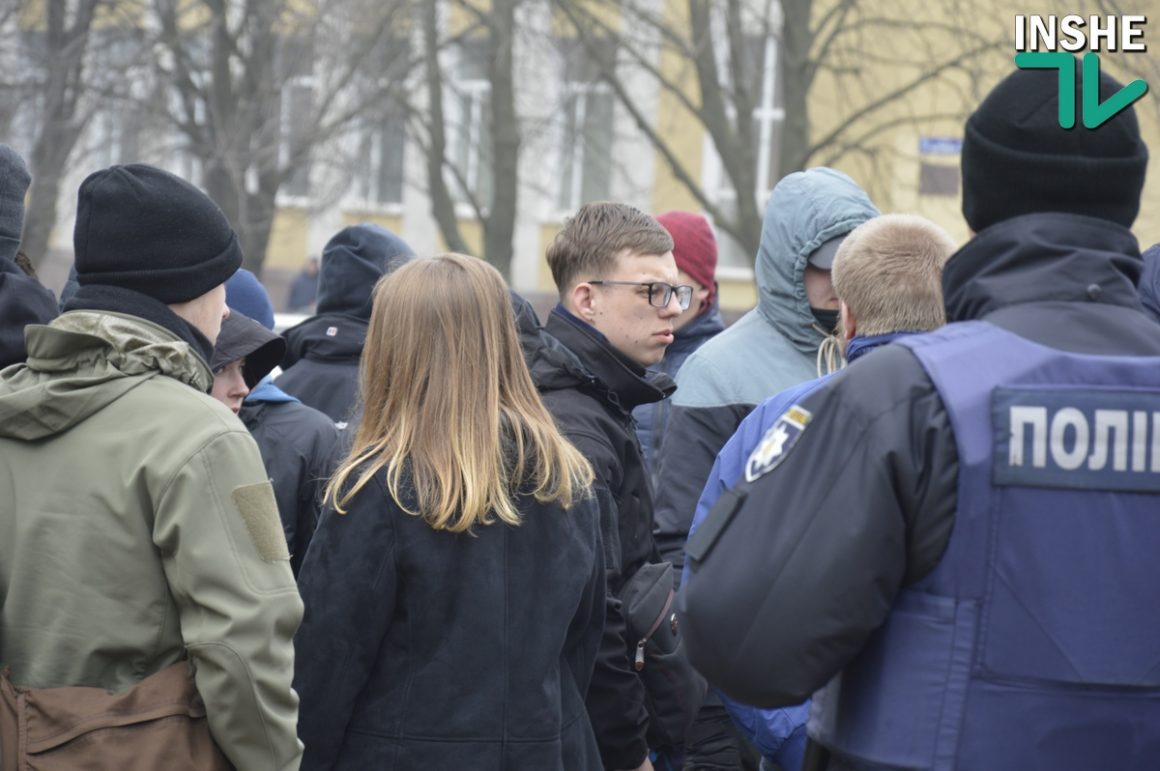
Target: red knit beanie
{"points": [[694, 248]]}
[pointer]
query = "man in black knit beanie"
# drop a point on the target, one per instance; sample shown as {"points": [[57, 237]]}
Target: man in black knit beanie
{"points": [[141, 553]]}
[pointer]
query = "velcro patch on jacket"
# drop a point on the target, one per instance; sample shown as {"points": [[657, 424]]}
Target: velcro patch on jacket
{"points": [[777, 442], [259, 511]]}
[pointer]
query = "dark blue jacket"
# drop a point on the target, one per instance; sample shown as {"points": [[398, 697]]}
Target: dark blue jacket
{"points": [[1149, 287], [1032, 644], [806, 561], [424, 649], [780, 734], [652, 418], [299, 447]]}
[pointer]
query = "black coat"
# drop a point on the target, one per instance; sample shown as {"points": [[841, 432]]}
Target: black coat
{"points": [[783, 601], [590, 389], [23, 301], [299, 449], [321, 363], [430, 650]]}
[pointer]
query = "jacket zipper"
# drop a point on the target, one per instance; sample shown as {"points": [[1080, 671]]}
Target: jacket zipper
{"points": [[639, 663]]}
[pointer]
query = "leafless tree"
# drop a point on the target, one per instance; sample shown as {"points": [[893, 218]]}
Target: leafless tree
{"points": [[255, 89], [494, 203], [66, 68], [875, 56]]}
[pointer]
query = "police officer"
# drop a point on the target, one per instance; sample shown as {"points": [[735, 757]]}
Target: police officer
{"points": [[957, 538]]}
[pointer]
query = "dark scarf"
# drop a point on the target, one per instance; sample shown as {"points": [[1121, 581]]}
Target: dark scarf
{"points": [[99, 297]]}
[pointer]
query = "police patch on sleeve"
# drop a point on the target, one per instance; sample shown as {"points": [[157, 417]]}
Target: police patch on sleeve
{"points": [[777, 442]]}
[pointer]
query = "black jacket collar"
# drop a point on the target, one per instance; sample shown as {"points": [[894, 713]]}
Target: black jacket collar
{"points": [[595, 365], [1043, 258]]}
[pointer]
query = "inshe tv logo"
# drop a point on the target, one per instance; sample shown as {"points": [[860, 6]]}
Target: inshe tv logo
{"points": [[1060, 37]]}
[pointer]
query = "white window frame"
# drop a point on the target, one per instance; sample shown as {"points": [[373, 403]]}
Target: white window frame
{"points": [[477, 91], [766, 112], [367, 184], [309, 82], [576, 154]]}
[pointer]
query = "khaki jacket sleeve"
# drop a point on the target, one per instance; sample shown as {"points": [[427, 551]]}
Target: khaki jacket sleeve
{"points": [[228, 568]]}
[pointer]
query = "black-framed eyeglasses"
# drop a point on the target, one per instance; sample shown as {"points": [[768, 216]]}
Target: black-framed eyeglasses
{"points": [[660, 294]]}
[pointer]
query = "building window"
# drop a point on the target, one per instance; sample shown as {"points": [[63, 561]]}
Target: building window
{"points": [[117, 136], [471, 129], [586, 138], [938, 165], [759, 63], [768, 112], [296, 67], [938, 179], [378, 174], [382, 152]]}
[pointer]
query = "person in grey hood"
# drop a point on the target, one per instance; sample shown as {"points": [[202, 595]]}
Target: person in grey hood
{"points": [[778, 344], [774, 346], [322, 353]]}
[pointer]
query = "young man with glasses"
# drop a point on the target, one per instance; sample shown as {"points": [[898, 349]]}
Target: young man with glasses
{"points": [[619, 297]]}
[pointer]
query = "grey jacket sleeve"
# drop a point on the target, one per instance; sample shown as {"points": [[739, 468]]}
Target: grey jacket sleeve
{"points": [[225, 558], [693, 438], [790, 573]]}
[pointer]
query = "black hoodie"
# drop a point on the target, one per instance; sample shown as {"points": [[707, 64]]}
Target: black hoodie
{"points": [[1064, 281], [322, 353]]}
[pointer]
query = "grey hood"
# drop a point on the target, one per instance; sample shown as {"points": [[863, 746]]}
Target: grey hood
{"points": [[806, 209]]}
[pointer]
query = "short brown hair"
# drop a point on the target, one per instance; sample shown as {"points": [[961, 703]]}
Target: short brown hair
{"points": [[598, 233], [889, 272]]}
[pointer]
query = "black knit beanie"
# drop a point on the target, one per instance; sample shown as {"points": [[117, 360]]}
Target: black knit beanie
{"points": [[1017, 160], [144, 229]]}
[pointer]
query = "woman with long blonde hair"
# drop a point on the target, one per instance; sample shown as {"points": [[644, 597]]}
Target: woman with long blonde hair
{"points": [[454, 588]]}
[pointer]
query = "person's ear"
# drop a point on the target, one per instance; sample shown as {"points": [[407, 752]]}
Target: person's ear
{"points": [[849, 323], [582, 301]]}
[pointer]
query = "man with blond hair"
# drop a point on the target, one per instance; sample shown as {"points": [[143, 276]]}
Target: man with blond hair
{"points": [[887, 274]]}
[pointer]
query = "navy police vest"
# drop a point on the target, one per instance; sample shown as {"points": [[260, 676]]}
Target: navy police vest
{"points": [[1035, 642]]}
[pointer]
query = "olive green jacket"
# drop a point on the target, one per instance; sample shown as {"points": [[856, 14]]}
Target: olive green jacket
{"points": [[137, 527]]}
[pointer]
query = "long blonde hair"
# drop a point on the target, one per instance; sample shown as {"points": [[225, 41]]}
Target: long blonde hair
{"points": [[449, 408]]}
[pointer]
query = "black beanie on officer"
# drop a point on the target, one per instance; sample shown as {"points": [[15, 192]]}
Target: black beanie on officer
{"points": [[144, 229], [1017, 160]]}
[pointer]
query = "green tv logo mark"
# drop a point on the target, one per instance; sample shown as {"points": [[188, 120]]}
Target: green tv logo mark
{"points": [[1095, 113]]}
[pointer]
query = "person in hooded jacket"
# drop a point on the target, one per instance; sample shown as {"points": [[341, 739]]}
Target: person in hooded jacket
{"points": [[972, 586], [782, 342], [299, 444], [23, 300], [695, 250], [776, 345], [322, 353]]}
